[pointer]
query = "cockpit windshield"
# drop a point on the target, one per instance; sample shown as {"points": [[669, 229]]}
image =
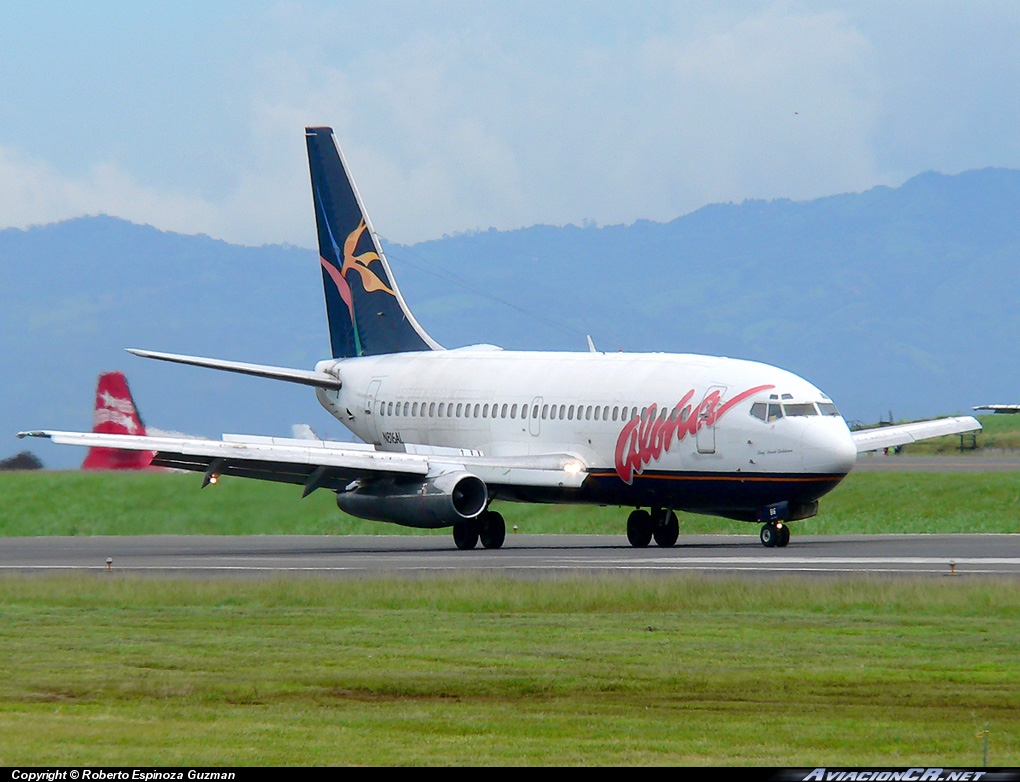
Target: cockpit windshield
{"points": [[773, 411], [799, 408]]}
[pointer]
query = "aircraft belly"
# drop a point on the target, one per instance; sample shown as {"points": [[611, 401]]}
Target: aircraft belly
{"points": [[736, 493]]}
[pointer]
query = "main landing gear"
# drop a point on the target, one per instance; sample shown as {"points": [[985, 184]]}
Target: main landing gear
{"points": [[776, 534], [489, 528], [660, 524]]}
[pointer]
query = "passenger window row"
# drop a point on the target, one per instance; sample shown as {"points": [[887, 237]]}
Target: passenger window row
{"points": [[512, 411]]}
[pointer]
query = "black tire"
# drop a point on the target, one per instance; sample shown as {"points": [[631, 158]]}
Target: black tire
{"points": [[768, 536], [465, 535], [492, 529], [666, 531], [639, 528]]}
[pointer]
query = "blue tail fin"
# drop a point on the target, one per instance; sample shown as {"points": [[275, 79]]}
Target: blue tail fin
{"points": [[367, 315]]}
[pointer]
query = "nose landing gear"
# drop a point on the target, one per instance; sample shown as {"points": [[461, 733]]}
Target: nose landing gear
{"points": [[775, 534]]}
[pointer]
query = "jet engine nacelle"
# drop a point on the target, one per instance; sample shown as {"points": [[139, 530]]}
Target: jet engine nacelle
{"points": [[442, 501]]}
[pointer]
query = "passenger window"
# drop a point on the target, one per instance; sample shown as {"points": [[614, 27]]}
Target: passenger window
{"points": [[502, 412], [563, 412], [570, 413], [545, 411], [432, 409], [442, 408], [414, 410], [513, 411], [459, 406]]}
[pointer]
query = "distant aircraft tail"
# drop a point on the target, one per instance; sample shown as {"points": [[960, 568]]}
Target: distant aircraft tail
{"points": [[115, 413], [367, 315]]}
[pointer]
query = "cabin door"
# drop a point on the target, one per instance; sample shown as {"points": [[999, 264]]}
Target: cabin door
{"points": [[372, 409], [535, 417], [706, 422]]}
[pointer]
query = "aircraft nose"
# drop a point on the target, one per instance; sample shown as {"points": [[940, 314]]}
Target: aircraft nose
{"points": [[828, 446]]}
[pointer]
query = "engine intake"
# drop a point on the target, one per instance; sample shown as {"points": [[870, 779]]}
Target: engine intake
{"points": [[441, 501]]}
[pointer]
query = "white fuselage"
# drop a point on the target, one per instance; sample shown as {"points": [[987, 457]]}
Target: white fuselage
{"points": [[623, 415]]}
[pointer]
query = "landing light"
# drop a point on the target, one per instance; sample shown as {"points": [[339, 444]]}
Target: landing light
{"points": [[573, 468]]}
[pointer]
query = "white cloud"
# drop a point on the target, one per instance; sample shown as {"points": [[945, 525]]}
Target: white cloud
{"points": [[456, 116]]}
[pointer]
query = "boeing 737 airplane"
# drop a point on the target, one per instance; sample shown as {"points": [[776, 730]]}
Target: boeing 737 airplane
{"points": [[446, 432]]}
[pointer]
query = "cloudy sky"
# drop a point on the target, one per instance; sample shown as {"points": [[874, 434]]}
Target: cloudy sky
{"points": [[458, 116]]}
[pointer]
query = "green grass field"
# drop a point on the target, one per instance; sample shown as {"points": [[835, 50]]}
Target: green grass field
{"points": [[107, 670], [76, 503], [481, 670]]}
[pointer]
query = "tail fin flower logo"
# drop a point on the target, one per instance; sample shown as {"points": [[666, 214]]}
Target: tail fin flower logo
{"points": [[360, 263]]}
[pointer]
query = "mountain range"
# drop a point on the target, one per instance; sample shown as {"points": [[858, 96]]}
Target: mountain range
{"points": [[900, 300]]}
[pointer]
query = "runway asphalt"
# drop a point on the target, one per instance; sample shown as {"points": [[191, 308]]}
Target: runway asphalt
{"points": [[529, 556], [878, 462]]}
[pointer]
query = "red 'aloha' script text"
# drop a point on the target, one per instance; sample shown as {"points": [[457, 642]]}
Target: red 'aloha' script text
{"points": [[644, 439]]}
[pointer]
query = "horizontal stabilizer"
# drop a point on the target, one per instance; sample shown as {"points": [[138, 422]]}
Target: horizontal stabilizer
{"points": [[904, 434], [1000, 408], [302, 376]]}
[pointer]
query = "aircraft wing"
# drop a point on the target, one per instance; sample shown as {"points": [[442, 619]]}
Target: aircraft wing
{"points": [[903, 434], [1000, 408], [316, 464]]}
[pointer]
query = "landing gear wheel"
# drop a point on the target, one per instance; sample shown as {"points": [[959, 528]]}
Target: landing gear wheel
{"points": [[782, 536], [666, 530], [465, 535], [639, 528], [769, 535], [491, 529]]}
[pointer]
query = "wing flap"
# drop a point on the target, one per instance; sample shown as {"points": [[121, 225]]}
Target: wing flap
{"points": [[904, 434]]}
